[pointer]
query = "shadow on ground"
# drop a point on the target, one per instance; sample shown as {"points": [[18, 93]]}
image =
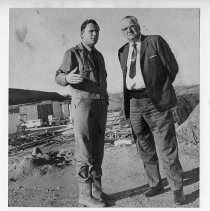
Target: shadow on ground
{"points": [[189, 177]]}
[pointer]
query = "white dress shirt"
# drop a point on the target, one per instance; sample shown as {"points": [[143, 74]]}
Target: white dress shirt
{"points": [[137, 82]]}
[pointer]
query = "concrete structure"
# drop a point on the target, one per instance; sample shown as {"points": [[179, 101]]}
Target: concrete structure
{"points": [[57, 110], [65, 110], [44, 110], [30, 110], [14, 121]]}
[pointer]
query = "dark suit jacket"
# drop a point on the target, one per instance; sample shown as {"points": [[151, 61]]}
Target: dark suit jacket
{"points": [[159, 69]]}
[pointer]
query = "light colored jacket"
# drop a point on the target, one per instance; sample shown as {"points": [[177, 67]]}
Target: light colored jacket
{"points": [[91, 87]]}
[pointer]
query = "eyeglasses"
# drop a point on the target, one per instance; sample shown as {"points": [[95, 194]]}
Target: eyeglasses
{"points": [[129, 27]]}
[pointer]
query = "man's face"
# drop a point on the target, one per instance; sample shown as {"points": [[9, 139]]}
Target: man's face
{"points": [[130, 30], [90, 34]]}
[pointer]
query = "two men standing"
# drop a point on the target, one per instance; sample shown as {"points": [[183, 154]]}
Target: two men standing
{"points": [[149, 69]]}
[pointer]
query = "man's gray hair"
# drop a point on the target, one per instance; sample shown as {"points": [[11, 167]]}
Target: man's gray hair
{"points": [[134, 19]]}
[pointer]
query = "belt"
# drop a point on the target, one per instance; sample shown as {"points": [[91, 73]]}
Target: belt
{"points": [[138, 93]]}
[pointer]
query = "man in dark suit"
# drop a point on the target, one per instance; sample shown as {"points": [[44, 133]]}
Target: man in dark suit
{"points": [[149, 69]]}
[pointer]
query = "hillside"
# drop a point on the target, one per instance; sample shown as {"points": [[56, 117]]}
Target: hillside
{"points": [[187, 97], [21, 96], [193, 89], [189, 131], [186, 103]]}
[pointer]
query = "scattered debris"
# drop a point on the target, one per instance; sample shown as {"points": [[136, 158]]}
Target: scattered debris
{"points": [[24, 142], [36, 151], [40, 163], [123, 142], [116, 130]]}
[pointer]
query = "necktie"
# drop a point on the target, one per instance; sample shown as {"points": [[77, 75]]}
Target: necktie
{"points": [[132, 72]]}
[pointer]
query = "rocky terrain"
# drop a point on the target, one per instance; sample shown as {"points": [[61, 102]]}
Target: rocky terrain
{"points": [[47, 180], [44, 176], [188, 132]]}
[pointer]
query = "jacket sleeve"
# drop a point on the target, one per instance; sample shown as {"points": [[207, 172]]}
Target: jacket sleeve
{"points": [[104, 76], [167, 58], [64, 69]]}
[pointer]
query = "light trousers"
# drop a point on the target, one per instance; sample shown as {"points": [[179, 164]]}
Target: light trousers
{"points": [[89, 121]]}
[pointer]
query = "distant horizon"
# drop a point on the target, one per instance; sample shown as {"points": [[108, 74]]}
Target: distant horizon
{"points": [[190, 85]]}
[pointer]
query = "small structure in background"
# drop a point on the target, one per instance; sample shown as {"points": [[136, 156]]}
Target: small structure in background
{"points": [[46, 113]]}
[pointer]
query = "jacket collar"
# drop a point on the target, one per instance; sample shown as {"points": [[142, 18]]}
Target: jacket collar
{"points": [[86, 53], [81, 46], [144, 43]]}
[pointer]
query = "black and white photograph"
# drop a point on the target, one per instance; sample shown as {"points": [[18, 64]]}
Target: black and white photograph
{"points": [[104, 105]]}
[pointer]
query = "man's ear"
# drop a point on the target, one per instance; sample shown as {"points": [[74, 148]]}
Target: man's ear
{"points": [[139, 27], [81, 34]]}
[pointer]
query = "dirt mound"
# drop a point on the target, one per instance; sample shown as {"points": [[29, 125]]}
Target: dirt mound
{"points": [[23, 168], [39, 164], [186, 103], [189, 131]]}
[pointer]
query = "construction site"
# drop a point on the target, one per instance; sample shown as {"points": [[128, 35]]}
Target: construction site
{"points": [[35, 124], [42, 163]]}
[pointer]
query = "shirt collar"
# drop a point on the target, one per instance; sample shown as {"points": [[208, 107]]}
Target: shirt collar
{"points": [[87, 47], [138, 42]]}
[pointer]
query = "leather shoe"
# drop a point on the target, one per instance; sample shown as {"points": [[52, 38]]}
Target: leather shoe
{"points": [[179, 197], [153, 191]]}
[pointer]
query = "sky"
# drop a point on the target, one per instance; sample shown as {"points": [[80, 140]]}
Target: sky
{"points": [[38, 39]]}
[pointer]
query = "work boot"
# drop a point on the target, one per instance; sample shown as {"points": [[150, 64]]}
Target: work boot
{"points": [[85, 196], [179, 197], [153, 191], [97, 192]]}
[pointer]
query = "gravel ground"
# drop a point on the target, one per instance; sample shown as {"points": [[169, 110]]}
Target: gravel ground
{"points": [[123, 178]]}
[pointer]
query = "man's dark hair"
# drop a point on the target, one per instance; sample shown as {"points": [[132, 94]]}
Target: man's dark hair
{"points": [[85, 23]]}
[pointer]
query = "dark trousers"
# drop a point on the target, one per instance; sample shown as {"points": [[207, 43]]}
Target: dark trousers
{"points": [[89, 120], [154, 129]]}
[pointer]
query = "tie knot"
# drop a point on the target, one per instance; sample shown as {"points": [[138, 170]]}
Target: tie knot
{"points": [[134, 53], [93, 52], [92, 49]]}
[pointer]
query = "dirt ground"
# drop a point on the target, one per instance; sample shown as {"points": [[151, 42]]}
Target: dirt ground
{"points": [[54, 184]]}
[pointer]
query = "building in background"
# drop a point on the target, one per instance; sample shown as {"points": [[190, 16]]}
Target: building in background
{"points": [[39, 114], [14, 122]]}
